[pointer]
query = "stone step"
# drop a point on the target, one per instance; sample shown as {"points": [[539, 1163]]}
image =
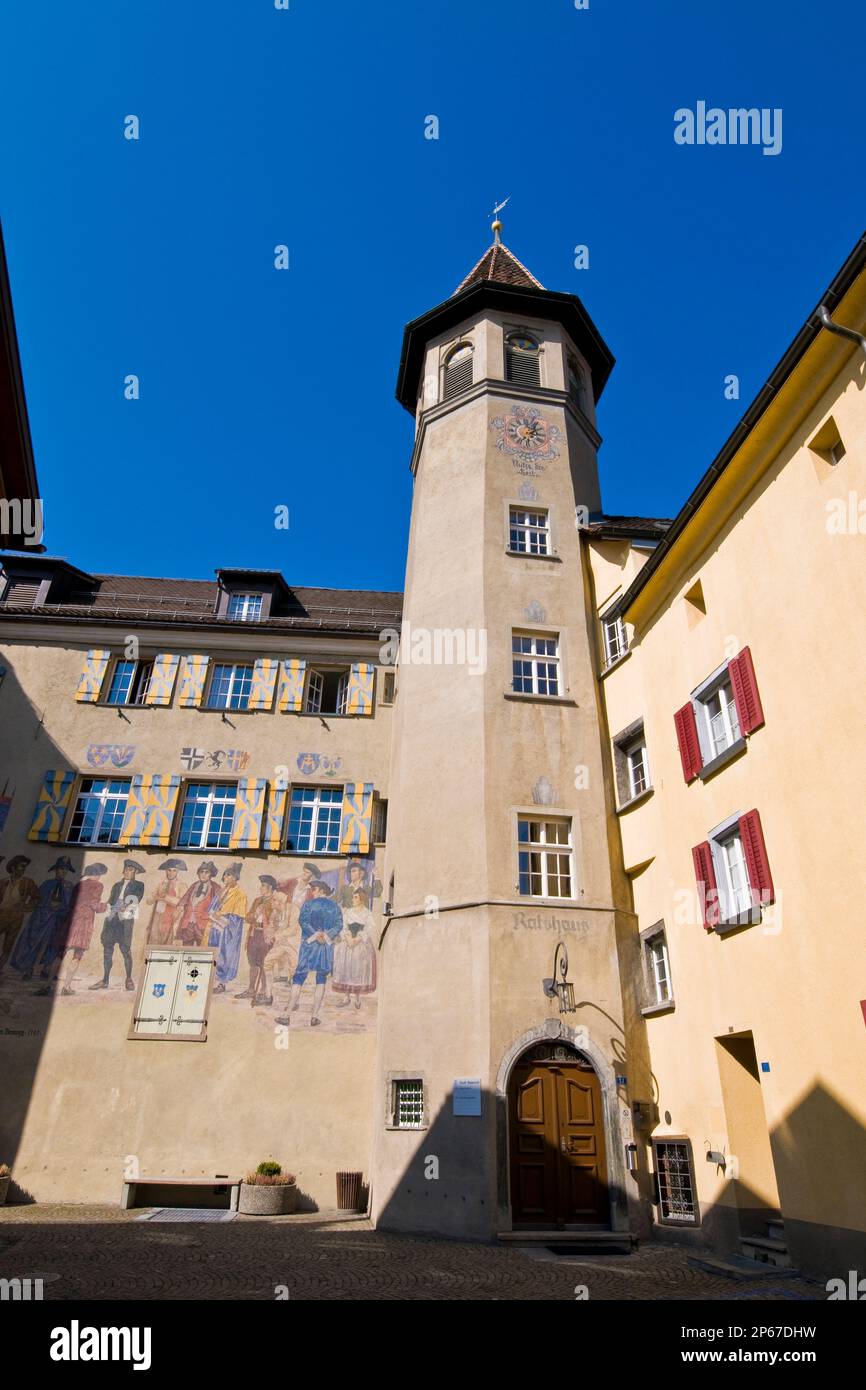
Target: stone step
{"points": [[616, 1242], [736, 1267], [764, 1250]]}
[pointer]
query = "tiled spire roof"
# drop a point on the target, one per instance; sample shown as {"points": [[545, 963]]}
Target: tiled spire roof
{"points": [[502, 266]]}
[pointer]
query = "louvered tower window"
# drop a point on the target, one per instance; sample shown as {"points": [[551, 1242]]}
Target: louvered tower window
{"points": [[21, 593], [458, 372], [575, 382], [522, 360]]}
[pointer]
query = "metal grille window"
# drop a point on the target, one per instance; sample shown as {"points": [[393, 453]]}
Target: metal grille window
{"points": [[408, 1106], [129, 683], [522, 360], [545, 858], [534, 664], [673, 1163], [314, 820], [528, 532], [207, 815], [457, 376], [99, 810], [230, 687], [615, 641], [245, 608], [327, 692]]}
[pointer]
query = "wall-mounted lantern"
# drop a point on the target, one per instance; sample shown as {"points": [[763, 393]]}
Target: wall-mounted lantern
{"points": [[561, 989]]}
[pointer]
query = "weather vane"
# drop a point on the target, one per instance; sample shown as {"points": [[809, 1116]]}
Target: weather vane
{"points": [[497, 225]]}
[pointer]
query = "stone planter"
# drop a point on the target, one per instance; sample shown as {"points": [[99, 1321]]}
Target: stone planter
{"points": [[4, 1188], [267, 1199]]}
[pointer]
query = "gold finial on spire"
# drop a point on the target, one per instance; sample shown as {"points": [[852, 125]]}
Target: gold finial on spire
{"points": [[496, 228]]}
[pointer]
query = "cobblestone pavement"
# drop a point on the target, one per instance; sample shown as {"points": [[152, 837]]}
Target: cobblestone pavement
{"points": [[93, 1253]]}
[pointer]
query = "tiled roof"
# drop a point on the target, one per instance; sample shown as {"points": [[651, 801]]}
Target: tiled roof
{"points": [[501, 266]]}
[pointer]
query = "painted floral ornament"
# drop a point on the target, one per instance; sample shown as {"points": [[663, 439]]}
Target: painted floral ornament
{"points": [[526, 434]]}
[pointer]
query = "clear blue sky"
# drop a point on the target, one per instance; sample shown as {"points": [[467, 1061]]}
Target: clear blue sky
{"points": [[306, 127]]}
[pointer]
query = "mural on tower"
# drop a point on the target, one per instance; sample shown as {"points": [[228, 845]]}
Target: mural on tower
{"points": [[527, 437]]}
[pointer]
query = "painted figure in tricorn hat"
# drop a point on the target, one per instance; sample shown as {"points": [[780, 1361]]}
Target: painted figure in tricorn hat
{"points": [[227, 918], [18, 896], [196, 906], [166, 902], [51, 910], [123, 904], [74, 934]]}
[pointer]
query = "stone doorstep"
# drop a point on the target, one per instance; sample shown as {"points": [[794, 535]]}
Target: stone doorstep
{"points": [[766, 1251], [615, 1239], [739, 1267]]}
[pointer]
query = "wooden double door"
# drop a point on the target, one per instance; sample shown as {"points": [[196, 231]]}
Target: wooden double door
{"points": [[556, 1140]]}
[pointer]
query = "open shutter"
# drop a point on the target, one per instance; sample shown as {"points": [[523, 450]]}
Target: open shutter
{"points": [[357, 817], [263, 683], [708, 892], [150, 810], [92, 676], [749, 710], [161, 680], [51, 808], [689, 744], [291, 697], [249, 808], [275, 819], [359, 695], [757, 863], [193, 674]]}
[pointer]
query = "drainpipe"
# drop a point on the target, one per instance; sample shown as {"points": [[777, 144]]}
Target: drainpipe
{"points": [[850, 333]]}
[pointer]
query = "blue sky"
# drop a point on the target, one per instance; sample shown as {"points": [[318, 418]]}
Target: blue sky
{"points": [[262, 388]]}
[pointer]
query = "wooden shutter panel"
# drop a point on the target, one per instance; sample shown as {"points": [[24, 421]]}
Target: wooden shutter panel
{"points": [[708, 892], [292, 674], [150, 809], [689, 743], [193, 674], [522, 367], [750, 712], [92, 676], [263, 684], [357, 817], [359, 695], [278, 793], [161, 681], [249, 809], [51, 807], [757, 863]]}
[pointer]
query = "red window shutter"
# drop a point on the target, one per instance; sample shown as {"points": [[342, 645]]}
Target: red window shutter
{"points": [[687, 738], [708, 893], [760, 878], [749, 710]]}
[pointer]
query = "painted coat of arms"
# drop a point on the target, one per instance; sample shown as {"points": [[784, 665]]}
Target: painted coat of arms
{"points": [[526, 434]]}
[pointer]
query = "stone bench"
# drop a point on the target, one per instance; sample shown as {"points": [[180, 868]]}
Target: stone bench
{"points": [[216, 1185]]}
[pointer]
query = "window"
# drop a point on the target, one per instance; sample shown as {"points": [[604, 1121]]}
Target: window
{"points": [[522, 360], [389, 687], [407, 1103], [380, 821], [528, 532], [630, 763], [718, 724], [207, 815], [245, 608], [656, 967], [732, 876], [676, 1183], [545, 858], [535, 664], [615, 640], [327, 692], [21, 593], [457, 376], [99, 811], [575, 382], [720, 716], [230, 687], [174, 996], [129, 683], [314, 820]]}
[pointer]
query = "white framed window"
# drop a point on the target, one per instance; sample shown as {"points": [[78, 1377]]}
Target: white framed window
{"points": [[545, 857], [638, 768], [407, 1103], [535, 663], [206, 815], [129, 682], [327, 692], [631, 764], [615, 639], [732, 874], [229, 687], [657, 969], [528, 531], [315, 814], [174, 995], [100, 807], [245, 608], [716, 716], [457, 372]]}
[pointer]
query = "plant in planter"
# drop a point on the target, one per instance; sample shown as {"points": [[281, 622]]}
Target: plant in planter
{"points": [[5, 1179], [268, 1191]]}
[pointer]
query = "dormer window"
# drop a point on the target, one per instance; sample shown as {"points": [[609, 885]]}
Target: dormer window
{"points": [[23, 592], [457, 376], [522, 360], [245, 608]]}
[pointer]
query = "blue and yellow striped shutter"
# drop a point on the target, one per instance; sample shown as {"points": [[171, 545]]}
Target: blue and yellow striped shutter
{"points": [[274, 820], [48, 818], [263, 683], [193, 674], [359, 695], [292, 673], [357, 816], [150, 809], [249, 808], [90, 684], [161, 682]]}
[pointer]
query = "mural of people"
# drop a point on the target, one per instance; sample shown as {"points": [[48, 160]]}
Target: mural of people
{"points": [[356, 880], [123, 902], [18, 896], [265, 918], [299, 890], [166, 904], [355, 954], [231, 910], [321, 923], [74, 933], [196, 905], [55, 898]]}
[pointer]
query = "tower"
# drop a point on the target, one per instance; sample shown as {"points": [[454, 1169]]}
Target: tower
{"points": [[502, 838]]}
